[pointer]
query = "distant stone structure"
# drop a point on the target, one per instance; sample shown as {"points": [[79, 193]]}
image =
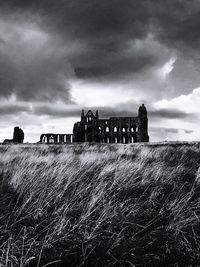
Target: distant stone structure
{"points": [[113, 130], [56, 138], [18, 136]]}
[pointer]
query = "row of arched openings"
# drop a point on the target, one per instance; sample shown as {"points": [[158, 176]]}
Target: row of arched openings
{"points": [[56, 139], [124, 140], [117, 129]]}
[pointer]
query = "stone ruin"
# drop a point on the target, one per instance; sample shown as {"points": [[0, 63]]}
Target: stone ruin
{"points": [[18, 136], [113, 130], [91, 128]]}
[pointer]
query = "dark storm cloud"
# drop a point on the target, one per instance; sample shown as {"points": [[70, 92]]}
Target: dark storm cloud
{"points": [[102, 30], [56, 111], [106, 112], [31, 69], [114, 66], [170, 114], [75, 111], [98, 39], [106, 26], [13, 109], [177, 22]]}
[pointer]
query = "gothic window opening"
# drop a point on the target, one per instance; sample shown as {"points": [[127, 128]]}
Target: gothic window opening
{"points": [[123, 130], [44, 140], [107, 129], [108, 140], [51, 139], [115, 129], [116, 140], [124, 140], [132, 130]]}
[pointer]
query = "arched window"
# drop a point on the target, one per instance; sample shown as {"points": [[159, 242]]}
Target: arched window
{"points": [[124, 140], [132, 130], [108, 140], [51, 139], [115, 129], [132, 139], [44, 140], [107, 129], [89, 119], [123, 130], [99, 129], [116, 140]]}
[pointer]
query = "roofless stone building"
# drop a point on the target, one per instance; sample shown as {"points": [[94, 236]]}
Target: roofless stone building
{"points": [[113, 130]]}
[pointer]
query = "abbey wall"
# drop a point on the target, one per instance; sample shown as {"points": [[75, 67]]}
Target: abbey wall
{"points": [[112, 130]]}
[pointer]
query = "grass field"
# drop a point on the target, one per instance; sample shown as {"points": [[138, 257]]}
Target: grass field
{"points": [[100, 205]]}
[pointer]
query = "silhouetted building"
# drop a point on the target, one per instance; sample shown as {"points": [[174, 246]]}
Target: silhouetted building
{"points": [[113, 130], [18, 136]]}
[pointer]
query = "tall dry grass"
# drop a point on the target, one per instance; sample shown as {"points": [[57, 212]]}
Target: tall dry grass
{"points": [[99, 205]]}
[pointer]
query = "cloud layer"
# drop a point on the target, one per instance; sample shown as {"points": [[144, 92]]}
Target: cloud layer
{"points": [[97, 40]]}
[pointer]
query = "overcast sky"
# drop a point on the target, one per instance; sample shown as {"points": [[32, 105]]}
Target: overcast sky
{"points": [[59, 56]]}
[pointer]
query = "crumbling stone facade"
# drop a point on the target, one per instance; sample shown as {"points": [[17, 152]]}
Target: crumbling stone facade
{"points": [[113, 130], [51, 138], [18, 136]]}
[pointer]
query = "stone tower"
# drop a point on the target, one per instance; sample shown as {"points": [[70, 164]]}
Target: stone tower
{"points": [[18, 135], [143, 124]]}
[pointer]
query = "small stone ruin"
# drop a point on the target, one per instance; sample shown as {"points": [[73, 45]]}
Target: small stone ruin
{"points": [[18, 136]]}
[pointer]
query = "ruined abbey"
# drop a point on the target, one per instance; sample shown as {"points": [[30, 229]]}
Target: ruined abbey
{"points": [[113, 130]]}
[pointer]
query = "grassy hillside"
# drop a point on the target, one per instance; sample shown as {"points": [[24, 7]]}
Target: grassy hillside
{"points": [[100, 205]]}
